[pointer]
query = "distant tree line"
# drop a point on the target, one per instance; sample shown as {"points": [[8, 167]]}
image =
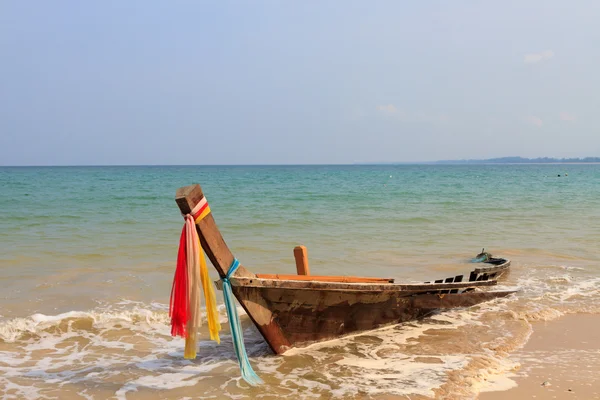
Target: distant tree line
{"points": [[522, 160]]}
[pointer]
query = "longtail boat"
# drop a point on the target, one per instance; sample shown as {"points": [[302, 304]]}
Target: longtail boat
{"points": [[297, 310]]}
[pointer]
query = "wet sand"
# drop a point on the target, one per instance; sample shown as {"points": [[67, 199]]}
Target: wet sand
{"points": [[560, 361]]}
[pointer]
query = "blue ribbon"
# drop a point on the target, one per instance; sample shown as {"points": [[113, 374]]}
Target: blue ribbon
{"points": [[248, 373], [482, 258]]}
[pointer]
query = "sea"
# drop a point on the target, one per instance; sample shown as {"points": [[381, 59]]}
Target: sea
{"points": [[87, 257]]}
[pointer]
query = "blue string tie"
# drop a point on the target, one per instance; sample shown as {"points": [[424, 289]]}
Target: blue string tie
{"points": [[237, 335]]}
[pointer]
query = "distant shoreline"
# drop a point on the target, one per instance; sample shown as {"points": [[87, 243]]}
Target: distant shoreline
{"points": [[483, 162], [522, 160], [523, 163]]}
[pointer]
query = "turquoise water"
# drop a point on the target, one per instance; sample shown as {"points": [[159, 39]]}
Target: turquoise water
{"points": [[104, 239]]}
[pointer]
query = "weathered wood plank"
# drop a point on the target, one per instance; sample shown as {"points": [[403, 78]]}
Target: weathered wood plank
{"points": [[493, 268], [306, 317], [448, 280], [301, 257], [355, 287], [457, 279], [324, 278]]}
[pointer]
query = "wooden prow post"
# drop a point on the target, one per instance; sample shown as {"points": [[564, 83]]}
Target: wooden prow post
{"points": [[221, 258], [301, 256], [210, 237]]}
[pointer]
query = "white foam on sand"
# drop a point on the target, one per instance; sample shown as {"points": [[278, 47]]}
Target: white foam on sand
{"points": [[377, 362], [93, 346], [128, 345], [134, 346]]}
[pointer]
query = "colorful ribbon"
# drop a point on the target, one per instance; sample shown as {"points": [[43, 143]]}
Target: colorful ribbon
{"points": [[190, 272], [248, 373], [184, 308]]}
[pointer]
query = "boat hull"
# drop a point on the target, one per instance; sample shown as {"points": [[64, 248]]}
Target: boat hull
{"points": [[296, 311], [292, 317]]}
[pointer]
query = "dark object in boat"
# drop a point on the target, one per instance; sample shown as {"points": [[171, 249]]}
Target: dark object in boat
{"points": [[297, 310], [482, 257], [485, 257]]}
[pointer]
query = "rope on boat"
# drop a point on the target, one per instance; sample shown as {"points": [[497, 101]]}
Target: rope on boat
{"points": [[190, 273], [237, 335]]}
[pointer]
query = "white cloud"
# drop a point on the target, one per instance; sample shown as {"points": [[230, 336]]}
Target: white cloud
{"points": [[533, 120], [388, 109], [533, 58], [567, 116]]}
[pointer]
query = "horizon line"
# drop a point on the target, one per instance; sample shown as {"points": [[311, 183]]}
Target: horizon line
{"points": [[439, 162], [219, 165]]}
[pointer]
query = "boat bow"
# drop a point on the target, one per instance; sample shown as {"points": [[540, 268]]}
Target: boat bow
{"points": [[294, 311]]}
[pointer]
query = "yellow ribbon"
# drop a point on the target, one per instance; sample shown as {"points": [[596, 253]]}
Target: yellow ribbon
{"points": [[203, 214], [212, 315], [194, 250]]}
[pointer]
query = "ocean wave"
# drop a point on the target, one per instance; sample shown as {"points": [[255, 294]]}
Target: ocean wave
{"points": [[127, 346], [543, 314], [153, 316]]}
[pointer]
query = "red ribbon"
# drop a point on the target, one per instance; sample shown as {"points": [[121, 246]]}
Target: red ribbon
{"points": [[178, 308]]}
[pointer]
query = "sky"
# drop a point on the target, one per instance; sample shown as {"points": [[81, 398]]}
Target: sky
{"points": [[296, 82]]}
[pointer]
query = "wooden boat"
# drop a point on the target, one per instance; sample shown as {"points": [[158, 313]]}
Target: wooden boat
{"points": [[297, 310]]}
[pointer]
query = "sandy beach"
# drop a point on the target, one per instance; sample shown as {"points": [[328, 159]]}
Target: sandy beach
{"points": [[560, 361]]}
